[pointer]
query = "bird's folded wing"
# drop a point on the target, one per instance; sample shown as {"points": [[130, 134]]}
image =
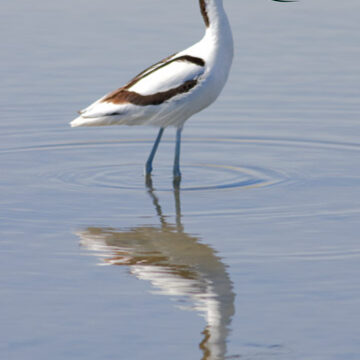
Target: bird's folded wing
{"points": [[159, 83], [167, 76]]}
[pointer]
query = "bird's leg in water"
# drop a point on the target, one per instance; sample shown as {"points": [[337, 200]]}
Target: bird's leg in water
{"points": [[148, 165], [176, 169]]}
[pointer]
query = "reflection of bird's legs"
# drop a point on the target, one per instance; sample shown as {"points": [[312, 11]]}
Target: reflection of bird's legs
{"points": [[148, 165], [179, 225], [155, 201]]}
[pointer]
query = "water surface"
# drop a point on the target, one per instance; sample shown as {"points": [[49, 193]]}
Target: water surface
{"points": [[255, 257]]}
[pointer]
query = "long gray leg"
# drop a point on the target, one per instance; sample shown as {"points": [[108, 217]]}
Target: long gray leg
{"points": [[176, 170], [148, 164]]}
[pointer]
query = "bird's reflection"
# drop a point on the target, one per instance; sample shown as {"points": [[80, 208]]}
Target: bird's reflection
{"points": [[176, 263]]}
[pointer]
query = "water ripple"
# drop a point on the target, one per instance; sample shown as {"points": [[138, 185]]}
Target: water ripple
{"points": [[104, 170], [203, 177]]}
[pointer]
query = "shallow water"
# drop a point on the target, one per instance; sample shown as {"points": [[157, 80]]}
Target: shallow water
{"points": [[255, 257]]}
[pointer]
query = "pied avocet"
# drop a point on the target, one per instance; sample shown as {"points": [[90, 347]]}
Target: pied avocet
{"points": [[171, 91]]}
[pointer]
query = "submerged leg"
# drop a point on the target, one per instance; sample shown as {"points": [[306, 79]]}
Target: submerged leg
{"points": [[176, 170], [148, 165]]}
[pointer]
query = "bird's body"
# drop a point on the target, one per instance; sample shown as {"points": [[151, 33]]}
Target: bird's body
{"points": [[171, 91]]}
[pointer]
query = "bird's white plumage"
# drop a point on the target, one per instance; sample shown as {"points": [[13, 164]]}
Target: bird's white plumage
{"points": [[216, 51], [164, 79], [168, 77]]}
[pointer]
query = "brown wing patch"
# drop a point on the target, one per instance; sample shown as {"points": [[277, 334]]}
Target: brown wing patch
{"points": [[123, 96]]}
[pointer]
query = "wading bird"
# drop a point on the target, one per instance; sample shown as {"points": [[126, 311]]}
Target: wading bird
{"points": [[172, 90]]}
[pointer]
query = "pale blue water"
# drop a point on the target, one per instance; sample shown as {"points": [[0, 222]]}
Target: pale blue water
{"points": [[257, 256]]}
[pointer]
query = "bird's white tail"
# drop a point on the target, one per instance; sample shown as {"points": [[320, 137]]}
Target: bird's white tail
{"points": [[79, 121]]}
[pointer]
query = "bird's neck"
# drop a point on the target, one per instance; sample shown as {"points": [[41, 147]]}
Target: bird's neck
{"points": [[217, 24]]}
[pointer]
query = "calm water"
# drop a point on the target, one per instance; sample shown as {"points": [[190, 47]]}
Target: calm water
{"points": [[256, 257]]}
